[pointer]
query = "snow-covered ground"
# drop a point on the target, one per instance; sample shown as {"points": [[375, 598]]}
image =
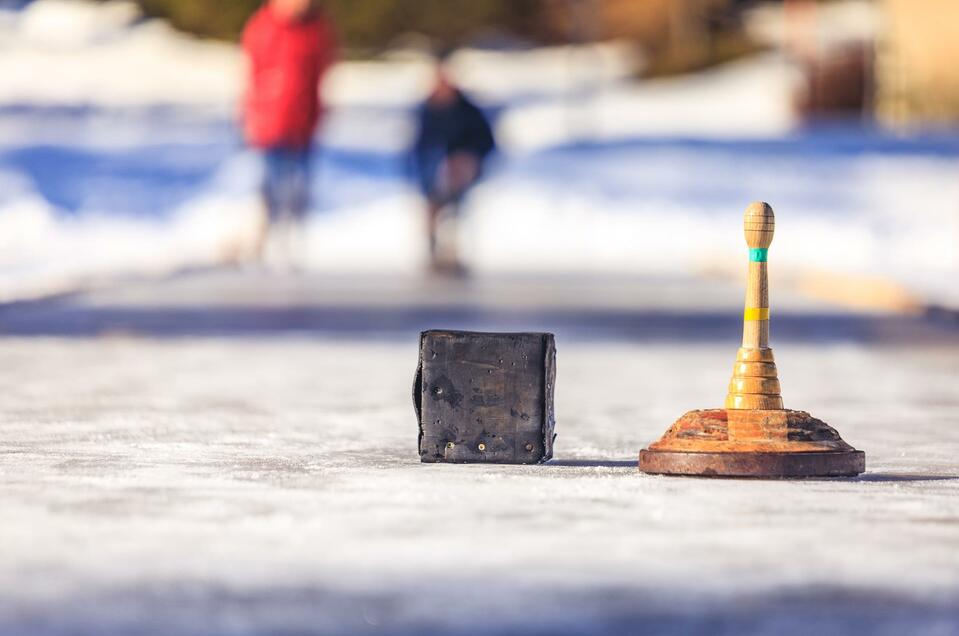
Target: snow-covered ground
{"points": [[118, 154]]}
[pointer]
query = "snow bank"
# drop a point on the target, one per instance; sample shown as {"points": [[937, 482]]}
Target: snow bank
{"points": [[680, 211], [43, 253], [598, 172], [69, 52], [722, 103]]}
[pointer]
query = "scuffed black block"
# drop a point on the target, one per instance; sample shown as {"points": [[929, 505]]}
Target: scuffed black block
{"points": [[485, 397]]}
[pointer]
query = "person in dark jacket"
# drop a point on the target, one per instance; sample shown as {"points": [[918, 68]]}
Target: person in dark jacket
{"points": [[452, 143]]}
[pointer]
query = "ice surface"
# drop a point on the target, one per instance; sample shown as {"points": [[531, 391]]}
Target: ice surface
{"points": [[248, 486]]}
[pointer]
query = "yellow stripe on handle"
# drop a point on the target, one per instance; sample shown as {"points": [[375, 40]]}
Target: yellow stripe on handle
{"points": [[756, 313]]}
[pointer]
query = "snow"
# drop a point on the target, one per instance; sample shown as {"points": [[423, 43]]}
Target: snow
{"points": [[721, 103], [824, 27], [74, 52], [125, 160]]}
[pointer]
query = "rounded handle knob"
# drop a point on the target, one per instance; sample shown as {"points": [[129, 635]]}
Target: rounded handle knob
{"points": [[759, 224]]}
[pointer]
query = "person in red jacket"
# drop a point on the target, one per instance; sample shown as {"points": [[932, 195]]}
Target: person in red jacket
{"points": [[289, 45]]}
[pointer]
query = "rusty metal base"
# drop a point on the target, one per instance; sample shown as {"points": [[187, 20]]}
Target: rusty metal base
{"points": [[847, 463], [771, 443]]}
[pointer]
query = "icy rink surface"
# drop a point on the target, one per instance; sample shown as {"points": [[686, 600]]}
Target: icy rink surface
{"points": [[254, 486]]}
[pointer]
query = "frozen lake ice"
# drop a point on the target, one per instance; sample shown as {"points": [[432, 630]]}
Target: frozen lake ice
{"points": [[251, 481]]}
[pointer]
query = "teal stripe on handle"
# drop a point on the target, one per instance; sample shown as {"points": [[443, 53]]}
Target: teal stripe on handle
{"points": [[758, 254]]}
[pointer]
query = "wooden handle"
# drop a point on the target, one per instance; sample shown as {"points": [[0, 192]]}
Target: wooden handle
{"points": [[759, 224], [755, 384]]}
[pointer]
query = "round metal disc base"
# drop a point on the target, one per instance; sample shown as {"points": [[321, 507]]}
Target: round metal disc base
{"points": [[763, 465]]}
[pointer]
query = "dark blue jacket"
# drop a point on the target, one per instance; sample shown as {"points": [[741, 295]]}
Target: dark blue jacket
{"points": [[442, 131]]}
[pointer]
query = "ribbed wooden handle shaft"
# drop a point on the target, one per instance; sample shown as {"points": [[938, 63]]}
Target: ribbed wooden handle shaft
{"points": [[754, 384], [759, 224]]}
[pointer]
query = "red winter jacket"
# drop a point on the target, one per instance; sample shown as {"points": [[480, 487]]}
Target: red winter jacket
{"points": [[287, 59]]}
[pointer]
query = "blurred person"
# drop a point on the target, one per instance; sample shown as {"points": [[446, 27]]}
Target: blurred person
{"points": [[453, 141], [289, 45]]}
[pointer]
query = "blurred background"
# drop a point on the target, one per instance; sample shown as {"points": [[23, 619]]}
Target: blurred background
{"points": [[621, 126]]}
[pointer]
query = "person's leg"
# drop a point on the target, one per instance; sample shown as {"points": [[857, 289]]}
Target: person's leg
{"points": [[300, 173], [456, 176], [298, 192], [462, 171], [430, 184], [292, 201], [433, 209], [270, 195]]}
